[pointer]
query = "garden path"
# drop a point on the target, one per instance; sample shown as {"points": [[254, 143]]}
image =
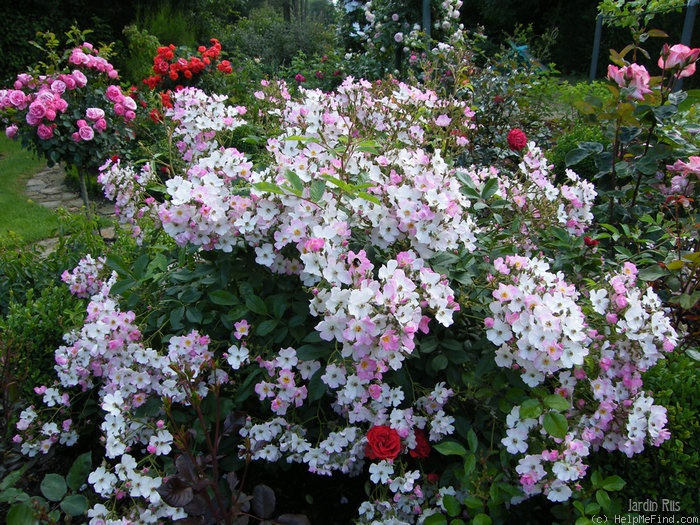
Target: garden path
{"points": [[48, 188]]}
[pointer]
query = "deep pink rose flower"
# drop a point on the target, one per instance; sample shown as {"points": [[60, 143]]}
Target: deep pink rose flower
{"points": [[517, 140], [86, 133], [94, 113], [18, 99], [45, 132], [80, 79], [11, 131]]}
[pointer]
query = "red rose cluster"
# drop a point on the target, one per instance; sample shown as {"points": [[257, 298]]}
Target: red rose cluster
{"points": [[517, 139], [384, 442], [167, 66]]}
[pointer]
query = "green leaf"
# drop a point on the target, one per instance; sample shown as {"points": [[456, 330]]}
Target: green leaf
{"points": [[53, 487], [557, 402], [266, 327], [311, 352], [439, 362], [12, 478], [489, 189], [575, 156], [20, 514], [75, 505], [451, 505], [318, 187], [79, 471], [688, 301], [472, 440], [473, 503], [469, 464], [613, 483], [13, 495], [603, 499], [256, 305], [530, 409], [693, 354], [482, 519], [675, 265], [296, 183], [450, 448], [435, 519], [223, 298], [269, 188], [556, 424], [652, 273]]}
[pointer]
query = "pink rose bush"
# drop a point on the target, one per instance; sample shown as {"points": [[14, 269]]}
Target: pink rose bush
{"points": [[384, 247], [74, 113]]}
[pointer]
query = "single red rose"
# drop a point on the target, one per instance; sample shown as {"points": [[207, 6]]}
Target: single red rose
{"points": [[591, 243], [383, 442], [422, 448], [516, 139]]}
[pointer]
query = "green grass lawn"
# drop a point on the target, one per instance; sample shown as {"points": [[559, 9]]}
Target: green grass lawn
{"points": [[18, 214]]}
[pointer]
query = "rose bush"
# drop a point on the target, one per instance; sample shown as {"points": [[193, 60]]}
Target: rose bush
{"points": [[344, 306], [73, 110]]}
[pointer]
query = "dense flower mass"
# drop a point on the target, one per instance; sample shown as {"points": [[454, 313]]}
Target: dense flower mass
{"points": [[592, 346], [172, 70], [358, 208]]}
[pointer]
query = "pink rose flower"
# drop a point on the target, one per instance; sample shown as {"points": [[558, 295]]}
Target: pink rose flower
{"points": [[86, 133], [114, 94], [679, 57], [80, 78], [11, 131], [36, 110], [18, 99], [45, 132], [634, 78], [100, 125], [94, 114], [58, 86]]}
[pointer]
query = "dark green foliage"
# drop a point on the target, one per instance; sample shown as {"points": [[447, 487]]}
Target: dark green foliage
{"points": [[569, 141], [272, 42], [33, 329]]}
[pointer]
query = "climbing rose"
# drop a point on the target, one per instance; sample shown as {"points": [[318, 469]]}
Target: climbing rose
{"points": [[516, 139], [383, 442]]}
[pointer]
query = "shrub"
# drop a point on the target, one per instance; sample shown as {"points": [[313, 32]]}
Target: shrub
{"points": [[571, 140]]}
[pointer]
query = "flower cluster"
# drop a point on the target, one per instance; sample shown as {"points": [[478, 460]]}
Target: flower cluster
{"points": [[678, 60], [594, 346], [173, 70], [42, 108], [539, 202], [85, 279], [128, 189]]}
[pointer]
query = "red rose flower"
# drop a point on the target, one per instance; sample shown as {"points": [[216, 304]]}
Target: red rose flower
{"points": [[591, 243], [383, 442], [516, 139], [422, 448]]}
